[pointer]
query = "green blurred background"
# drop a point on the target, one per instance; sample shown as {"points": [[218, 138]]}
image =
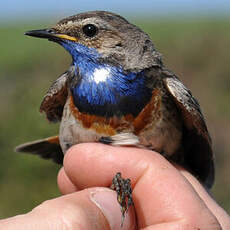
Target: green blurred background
{"points": [[195, 47]]}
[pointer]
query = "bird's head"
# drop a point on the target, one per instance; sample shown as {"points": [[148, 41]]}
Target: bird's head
{"points": [[103, 36]]}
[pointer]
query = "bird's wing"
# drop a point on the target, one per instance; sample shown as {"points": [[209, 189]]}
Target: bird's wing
{"points": [[55, 99], [196, 140], [48, 148]]}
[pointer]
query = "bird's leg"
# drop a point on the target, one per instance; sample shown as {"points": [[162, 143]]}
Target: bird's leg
{"points": [[124, 193]]}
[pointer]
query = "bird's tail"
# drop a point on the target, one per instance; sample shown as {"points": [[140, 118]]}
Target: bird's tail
{"points": [[48, 148]]}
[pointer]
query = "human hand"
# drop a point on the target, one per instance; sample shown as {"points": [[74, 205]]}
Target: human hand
{"points": [[165, 197]]}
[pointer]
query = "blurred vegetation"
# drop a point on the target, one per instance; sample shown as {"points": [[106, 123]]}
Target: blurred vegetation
{"points": [[197, 50]]}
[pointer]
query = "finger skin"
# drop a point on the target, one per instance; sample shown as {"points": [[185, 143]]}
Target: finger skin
{"points": [[64, 183], [161, 193], [75, 211], [219, 212]]}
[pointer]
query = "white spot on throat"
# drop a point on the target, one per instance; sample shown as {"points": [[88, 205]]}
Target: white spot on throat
{"points": [[101, 75]]}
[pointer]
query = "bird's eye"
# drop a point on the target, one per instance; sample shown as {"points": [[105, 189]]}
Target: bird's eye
{"points": [[90, 30]]}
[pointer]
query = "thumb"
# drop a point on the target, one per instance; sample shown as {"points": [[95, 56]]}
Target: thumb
{"points": [[106, 200], [95, 208]]}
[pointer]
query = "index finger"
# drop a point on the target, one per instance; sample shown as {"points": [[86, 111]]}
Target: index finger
{"points": [[161, 193]]}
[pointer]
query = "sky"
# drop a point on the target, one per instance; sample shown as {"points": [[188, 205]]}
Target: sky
{"points": [[11, 10]]}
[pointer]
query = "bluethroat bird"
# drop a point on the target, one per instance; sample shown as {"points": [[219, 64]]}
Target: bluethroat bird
{"points": [[117, 91]]}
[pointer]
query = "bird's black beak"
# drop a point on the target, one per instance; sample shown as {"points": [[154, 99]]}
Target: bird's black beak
{"points": [[50, 34], [46, 33]]}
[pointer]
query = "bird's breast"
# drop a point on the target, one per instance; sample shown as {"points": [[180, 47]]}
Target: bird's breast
{"points": [[108, 91]]}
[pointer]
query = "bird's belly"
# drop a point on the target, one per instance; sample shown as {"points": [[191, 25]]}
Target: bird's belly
{"points": [[73, 132], [77, 127]]}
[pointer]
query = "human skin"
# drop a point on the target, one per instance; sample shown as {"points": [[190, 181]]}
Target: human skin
{"points": [[165, 196]]}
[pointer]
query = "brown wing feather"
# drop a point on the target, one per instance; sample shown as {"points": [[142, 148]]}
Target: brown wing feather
{"points": [[48, 148], [55, 99], [196, 140]]}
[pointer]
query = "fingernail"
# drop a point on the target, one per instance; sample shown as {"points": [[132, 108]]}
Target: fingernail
{"points": [[106, 201]]}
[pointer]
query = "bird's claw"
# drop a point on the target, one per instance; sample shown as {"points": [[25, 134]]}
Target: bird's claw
{"points": [[124, 193]]}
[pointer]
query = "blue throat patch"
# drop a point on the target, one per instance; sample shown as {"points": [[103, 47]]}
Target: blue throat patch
{"points": [[104, 90]]}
